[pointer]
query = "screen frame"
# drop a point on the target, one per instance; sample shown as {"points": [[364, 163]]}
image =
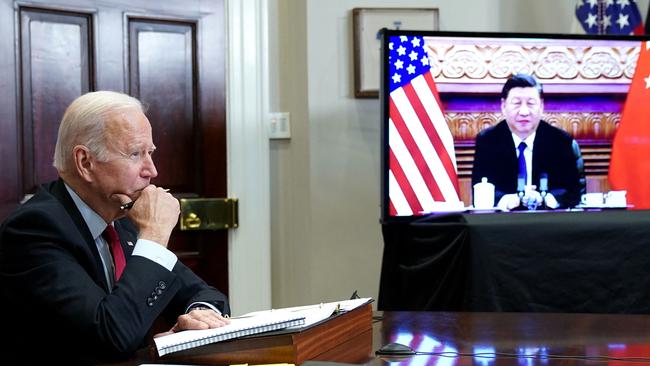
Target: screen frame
{"points": [[384, 89]]}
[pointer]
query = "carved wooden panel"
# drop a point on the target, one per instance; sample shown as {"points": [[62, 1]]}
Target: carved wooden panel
{"points": [[583, 126], [50, 40], [486, 61]]}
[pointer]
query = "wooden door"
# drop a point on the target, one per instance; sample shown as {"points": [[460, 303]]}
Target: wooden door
{"points": [[169, 54]]}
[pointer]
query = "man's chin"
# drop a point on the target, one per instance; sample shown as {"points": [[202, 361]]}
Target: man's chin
{"points": [[526, 128]]}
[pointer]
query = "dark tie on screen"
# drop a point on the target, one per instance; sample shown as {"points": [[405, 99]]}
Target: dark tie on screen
{"points": [[522, 161], [113, 240]]}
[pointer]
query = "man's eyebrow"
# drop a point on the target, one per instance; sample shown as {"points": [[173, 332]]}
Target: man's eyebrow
{"points": [[141, 145]]}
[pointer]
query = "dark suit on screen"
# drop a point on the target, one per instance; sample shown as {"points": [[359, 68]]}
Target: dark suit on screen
{"points": [[553, 154], [52, 282]]}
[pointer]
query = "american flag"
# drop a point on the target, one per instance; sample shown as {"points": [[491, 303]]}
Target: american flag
{"points": [[609, 17], [422, 164]]}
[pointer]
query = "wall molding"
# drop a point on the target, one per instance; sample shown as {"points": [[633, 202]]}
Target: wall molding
{"points": [[247, 96]]}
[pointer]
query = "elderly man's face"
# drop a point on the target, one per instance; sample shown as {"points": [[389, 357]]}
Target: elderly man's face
{"points": [[522, 110], [130, 167]]}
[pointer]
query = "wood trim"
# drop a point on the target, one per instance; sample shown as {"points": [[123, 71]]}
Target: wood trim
{"points": [[248, 155]]}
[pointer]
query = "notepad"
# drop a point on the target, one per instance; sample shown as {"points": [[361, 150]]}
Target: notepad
{"points": [[238, 327]]}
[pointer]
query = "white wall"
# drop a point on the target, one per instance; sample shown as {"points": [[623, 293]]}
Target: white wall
{"points": [[548, 16], [289, 162], [325, 235]]}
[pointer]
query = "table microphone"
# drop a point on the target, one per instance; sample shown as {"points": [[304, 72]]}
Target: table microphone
{"points": [[543, 183], [521, 187], [543, 190]]}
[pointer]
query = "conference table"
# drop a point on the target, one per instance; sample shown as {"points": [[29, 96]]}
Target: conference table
{"points": [[574, 262], [466, 338], [457, 338]]}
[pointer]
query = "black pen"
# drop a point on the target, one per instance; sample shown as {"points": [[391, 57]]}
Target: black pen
{"points": [[128, 205]]}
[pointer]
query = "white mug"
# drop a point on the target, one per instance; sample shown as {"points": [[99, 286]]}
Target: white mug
{"points": [[484, 195], [592, 199]]}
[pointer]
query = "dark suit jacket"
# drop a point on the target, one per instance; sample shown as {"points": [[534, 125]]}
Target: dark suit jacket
{"points": [[496, 159], [54, 295]]}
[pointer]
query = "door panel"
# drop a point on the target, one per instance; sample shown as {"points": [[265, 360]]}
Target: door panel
{"points": [[158, 48], [172, 59], [55, 54]]}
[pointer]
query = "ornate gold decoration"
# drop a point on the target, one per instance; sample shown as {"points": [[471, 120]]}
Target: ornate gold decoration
{"points": [[492, 60]]}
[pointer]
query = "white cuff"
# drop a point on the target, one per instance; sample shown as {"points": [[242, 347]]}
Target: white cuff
{"points": [[155, 252]]}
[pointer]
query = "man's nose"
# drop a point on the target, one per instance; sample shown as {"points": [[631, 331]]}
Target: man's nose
{"points": [[524, 109], [149, 168]]}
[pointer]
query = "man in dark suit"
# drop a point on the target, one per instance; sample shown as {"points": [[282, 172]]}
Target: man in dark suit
{"points": [[524, 147], [72, 292]]}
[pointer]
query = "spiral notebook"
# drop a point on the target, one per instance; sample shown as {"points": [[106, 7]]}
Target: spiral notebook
{"points": [[238, 327]]}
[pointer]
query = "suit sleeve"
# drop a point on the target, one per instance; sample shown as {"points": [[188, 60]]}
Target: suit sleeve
{"points": [[568, 186], [191, 289], [483, 165], [46, 276]]}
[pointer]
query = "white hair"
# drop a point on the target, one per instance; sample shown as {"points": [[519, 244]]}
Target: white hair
{"points": [[84, 123]]}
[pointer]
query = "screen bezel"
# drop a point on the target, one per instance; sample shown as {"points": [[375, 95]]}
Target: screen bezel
{"points": [[384, 88]]}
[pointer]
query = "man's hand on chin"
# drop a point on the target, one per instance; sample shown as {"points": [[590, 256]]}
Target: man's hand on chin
{"points": [[155, 214]]}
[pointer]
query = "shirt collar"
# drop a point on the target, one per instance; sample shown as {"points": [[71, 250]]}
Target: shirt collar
{"points": [[528, 140], [95, 223]]}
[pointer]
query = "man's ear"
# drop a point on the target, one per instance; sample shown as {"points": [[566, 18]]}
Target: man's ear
{"points": [[84, 162]]}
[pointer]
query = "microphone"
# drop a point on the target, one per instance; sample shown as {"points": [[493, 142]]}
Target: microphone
{"points": [[521, 187], [543, 190], [543, 183]]}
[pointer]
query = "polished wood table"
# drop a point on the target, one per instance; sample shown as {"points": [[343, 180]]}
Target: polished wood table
{"points": [[513, 338], [522, 339]]}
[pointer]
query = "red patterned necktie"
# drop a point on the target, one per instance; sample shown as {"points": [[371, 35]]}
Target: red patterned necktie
{"points": [[113, 240]]}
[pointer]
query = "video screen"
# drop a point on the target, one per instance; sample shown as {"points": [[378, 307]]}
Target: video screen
{"points": [[493, 122]]}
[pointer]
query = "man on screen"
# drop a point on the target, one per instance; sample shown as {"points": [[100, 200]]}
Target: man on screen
{"points": [[523, 148]]}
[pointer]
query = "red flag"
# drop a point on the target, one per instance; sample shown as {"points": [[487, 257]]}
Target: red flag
{"points": [[422, 166], [630, 163]]}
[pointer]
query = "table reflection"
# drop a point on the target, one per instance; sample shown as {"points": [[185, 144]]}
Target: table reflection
{"points": [[523, 339]]}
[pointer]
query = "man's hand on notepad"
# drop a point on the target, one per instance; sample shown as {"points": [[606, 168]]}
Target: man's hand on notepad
{"points": [[197, 319]]}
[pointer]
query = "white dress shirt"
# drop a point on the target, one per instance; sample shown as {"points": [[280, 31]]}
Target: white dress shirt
{"points": [[528, 155], [144, 248]]}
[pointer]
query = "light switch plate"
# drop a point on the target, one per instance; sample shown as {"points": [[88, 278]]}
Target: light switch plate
{"points": [[279, 125]]}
